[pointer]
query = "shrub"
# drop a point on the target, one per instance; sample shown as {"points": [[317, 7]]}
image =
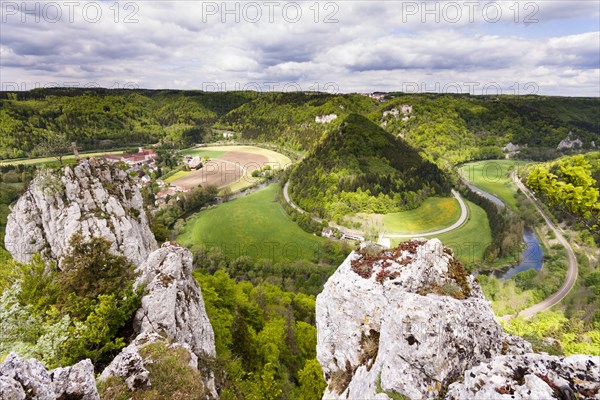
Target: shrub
{"points": [[91, 269], [170, 376], [369, 348]]}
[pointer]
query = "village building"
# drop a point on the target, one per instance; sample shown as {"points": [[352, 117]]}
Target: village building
{"points": [[142, 157]]}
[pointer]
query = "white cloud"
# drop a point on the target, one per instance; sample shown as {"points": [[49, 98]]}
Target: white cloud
{"points": [[374, 46]]}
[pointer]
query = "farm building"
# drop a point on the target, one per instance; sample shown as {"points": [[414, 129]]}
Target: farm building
{"points": [[140, 158]]}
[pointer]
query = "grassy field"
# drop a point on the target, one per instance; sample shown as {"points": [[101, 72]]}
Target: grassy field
{"points": [[470, 240], [255, 226], [176, 175], [203, 152], [434, 214], [46, 160], [493, 177]]}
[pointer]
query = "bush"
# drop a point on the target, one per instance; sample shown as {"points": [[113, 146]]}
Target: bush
{"points": [[10, 177], [91, 269], [171, 377]]}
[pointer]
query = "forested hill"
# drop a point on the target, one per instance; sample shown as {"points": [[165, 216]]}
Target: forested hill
{"points": [[359, 167], [103, 118], [446, 128], [461, 128], [289, 119]]}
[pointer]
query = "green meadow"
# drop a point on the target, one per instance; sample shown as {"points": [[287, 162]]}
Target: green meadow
{"points": [[255, 226], [493, 177], [434, 214], [470, 240]]}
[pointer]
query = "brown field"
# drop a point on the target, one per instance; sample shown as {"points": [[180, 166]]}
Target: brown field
{"points": [[231, 168]]}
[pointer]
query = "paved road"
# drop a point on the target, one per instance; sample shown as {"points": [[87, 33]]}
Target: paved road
{"points": [[464, 214], [286, 196], [344, 230], [562, 292]]}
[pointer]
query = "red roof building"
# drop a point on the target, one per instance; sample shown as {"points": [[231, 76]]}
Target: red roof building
{"points": [[139, 158]]}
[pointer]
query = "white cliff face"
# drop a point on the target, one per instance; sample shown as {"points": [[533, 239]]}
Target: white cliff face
{"points": [[28, 379], [174, 307], [94, 199], [411, 324], [172, 310], [325, 119], [570, 142]]}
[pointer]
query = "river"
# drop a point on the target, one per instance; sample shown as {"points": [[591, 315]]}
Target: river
{"points": [[532, 256], [487, 195]]}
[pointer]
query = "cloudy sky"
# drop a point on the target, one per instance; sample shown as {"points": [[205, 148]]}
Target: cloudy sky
{"points": [[545, 47]]}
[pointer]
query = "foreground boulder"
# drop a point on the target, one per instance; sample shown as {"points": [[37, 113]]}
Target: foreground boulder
{"points": [[531, 376], [411, 323], [94, 198], [407, 321], [173, 312], [28, 379]]}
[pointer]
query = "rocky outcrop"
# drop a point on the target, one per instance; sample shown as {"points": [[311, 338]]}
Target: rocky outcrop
{"points": [[530, 376], [405, 110], [174, 307], [513, 148], [570, 142], [410, 323], [93, 198], [28, 379], [325, 119], [407, 320], [172, 310]]}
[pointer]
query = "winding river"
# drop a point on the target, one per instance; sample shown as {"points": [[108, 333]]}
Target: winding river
{"points": [[532, 256]]}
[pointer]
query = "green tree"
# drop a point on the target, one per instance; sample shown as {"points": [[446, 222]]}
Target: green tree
{"points": [[90, 269], [96, 336], [55, 145], [312, 382], [264, 386], [30, 333]]}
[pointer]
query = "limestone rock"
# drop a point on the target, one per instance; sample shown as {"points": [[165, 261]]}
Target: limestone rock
{"points": [[93, 198], [10, 389], [75, 382], [173, 306], [28, 379], [325, 119], [407, 321], [172, 310], [570, 142], [129, 366], [530, 376]]}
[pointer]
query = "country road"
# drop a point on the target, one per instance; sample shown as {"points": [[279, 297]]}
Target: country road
{"points": [[286, 196], [556, 297], [464, 214]]}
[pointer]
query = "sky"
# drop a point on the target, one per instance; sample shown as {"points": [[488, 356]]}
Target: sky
{"points": [[479, 47]]}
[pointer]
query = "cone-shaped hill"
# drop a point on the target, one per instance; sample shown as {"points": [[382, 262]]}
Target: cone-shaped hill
{"points": [[359, 167]]}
